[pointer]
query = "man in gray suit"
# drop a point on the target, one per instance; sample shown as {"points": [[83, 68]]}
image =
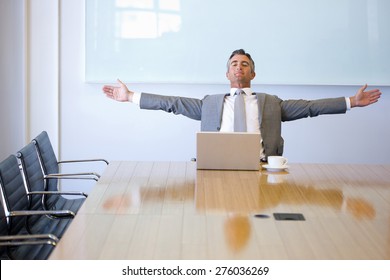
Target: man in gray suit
{"points": [[264, 112]]}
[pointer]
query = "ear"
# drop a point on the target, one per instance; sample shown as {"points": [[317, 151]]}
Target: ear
{"points": [[253, 75]]}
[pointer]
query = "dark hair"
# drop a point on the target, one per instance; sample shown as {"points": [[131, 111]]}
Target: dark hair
{"points": [[242, 52]]}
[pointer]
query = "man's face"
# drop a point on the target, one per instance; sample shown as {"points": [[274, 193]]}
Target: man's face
{"points": [[240, 71]]}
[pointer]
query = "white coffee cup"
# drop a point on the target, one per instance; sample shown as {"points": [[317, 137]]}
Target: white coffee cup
{"points": [[277, 161]]}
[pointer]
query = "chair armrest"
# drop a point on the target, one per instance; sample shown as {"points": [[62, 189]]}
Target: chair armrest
{"points": [[58, 193], [84, 160], [29, 239], [78, 176], [57, 213]]}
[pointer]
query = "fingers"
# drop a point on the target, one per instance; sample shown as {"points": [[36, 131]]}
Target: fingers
{"points": [[119, 93], [374, 91], [375, 97], [109, 91], [107, 88], [363, 88], [122, 85], [112, 91]]}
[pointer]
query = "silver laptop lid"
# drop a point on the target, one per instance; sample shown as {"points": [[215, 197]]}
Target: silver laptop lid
{"points": [[230, 151]]}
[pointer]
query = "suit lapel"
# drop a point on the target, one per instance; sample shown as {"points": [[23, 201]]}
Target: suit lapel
{"points": [[219, 106], [260, 104]]}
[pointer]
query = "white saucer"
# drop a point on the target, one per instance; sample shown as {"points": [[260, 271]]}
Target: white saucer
{"points": [[273, 168]]}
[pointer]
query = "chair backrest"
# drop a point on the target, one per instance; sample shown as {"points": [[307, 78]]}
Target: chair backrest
{"points": [[47, 158], [33, 174], [14, 198], [46, 153], [13, 193]]}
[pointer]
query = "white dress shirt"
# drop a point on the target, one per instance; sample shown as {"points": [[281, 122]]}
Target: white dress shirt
{"points": [[251, 111]]}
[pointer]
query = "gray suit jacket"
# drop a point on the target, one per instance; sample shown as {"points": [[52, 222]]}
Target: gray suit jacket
{"points": [[272, 111]]}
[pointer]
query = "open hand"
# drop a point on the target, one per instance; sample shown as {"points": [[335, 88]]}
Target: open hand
{"points": [[119, 93], [364, 98]]}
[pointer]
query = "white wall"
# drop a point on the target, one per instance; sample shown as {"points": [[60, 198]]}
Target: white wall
{"points": [[12, 90], [43, 68], [84, 123], [29, 72]]}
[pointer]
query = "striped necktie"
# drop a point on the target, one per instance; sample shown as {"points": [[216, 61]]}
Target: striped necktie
{"points": [[239, 112]]}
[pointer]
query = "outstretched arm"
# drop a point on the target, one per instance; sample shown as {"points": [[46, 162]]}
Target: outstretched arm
{"points": [[119, 93], [189, 107], [364, 98]]}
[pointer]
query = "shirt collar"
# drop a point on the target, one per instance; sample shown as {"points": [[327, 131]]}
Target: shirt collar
{"points": [[248, 91]]}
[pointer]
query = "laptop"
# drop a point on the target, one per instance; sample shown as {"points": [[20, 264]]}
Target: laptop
{"points": [[228, 151]]}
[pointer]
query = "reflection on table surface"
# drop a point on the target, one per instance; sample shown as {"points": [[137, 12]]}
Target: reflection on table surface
{"points": [[170, 210]]}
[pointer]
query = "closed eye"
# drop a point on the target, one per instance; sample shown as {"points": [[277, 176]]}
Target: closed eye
{"points": [[243, 63]]}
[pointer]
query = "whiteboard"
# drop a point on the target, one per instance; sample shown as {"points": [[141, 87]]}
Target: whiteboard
{"points": [[305, 42]]}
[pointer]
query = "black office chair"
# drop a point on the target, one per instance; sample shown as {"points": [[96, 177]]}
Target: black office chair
{"points": [[16, 205], [50, 164], [41, 198], [23, 246]]}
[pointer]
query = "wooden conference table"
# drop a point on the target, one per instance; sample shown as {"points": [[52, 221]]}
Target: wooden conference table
{"points": [[170, 210]]}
